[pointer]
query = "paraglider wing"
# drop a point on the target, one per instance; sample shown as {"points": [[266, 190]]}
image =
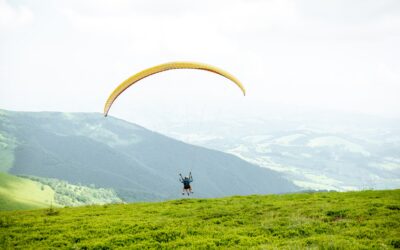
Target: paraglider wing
{"points": [[163, 67]]}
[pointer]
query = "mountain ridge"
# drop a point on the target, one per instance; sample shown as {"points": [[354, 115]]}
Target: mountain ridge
{"points": [[138, 163]]}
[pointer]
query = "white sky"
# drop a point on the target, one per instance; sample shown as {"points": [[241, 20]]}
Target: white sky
{"points": [[69, 55]]}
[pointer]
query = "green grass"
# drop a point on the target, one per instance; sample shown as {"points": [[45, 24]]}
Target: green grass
{"points": [[20, 193], [30, 192], [352, 220]]}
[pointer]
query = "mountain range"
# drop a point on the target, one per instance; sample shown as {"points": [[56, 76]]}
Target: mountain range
{"points": [[139, 164], [323, 151]]}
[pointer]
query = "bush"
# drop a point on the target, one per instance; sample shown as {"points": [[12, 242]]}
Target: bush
{"points": [[51, 211]]}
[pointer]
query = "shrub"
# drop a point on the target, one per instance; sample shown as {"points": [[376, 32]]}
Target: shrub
{"points": [[51, 211]]}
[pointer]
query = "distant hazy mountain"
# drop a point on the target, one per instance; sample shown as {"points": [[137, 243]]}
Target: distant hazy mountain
{"points": [[315, 151], [86, 148]]}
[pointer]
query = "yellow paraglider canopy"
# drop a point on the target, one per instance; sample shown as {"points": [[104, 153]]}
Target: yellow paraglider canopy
{"points": [[164, 67]]}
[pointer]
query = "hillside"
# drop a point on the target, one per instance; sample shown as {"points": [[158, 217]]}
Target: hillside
{"points": [[88, 149], [20, 193], [353, 220], [30, 192]]}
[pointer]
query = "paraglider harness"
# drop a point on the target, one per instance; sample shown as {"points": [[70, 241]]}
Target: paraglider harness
{"points": [[186, 181]]}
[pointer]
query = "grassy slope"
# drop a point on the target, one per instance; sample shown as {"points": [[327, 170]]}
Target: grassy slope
{"points": [[20, 193], [368, 219]]}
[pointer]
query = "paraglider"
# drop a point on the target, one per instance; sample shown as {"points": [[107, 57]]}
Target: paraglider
{"points": [[164, 67], [186, 183]]}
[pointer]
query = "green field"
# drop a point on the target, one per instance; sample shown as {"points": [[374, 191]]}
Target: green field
{"points": [[30, 192], [20, 193], [332, 220]]}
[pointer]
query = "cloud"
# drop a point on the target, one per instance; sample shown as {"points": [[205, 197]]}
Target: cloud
{"points": [[339, 54], [12, 17]]}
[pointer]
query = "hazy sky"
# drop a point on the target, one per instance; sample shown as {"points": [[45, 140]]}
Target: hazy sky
{"points": [[69, 55]]}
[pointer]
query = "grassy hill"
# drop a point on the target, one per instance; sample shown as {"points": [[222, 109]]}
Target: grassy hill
{"points": [[353, 220], [20, 193], [30, 192]]}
